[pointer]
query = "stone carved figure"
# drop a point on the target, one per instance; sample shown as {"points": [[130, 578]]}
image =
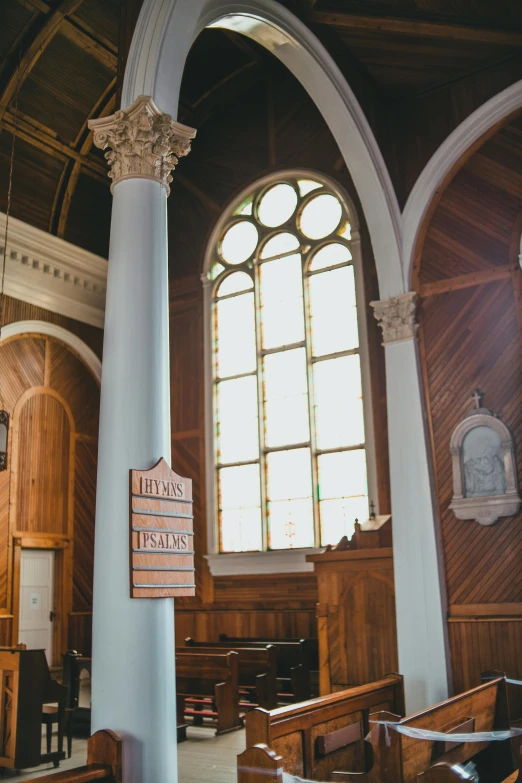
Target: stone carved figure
{"points": [[484, 471]]}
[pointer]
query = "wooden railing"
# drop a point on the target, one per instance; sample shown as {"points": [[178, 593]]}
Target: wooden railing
{"points": [[103, 762]]}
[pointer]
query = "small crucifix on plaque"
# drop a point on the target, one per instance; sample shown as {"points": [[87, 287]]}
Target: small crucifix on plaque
{"points": [[477, 397]]}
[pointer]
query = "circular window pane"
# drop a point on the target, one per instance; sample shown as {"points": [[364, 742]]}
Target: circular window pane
{"points": [[277, 205], [320, 216], [281, 243], [330, 255], [234, 283], [239, 242]]}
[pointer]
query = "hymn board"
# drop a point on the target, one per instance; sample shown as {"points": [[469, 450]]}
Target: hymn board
{"points": [[162, 537]]}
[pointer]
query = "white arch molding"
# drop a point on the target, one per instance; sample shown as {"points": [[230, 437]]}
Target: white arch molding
{"points": [[73, 342], [447, 156], [164, 34]]}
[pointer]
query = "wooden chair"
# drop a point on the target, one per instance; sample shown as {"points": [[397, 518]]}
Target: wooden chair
{"points": [[315, 737]]}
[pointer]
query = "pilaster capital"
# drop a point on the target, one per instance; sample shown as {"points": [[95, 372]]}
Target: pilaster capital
{"points": [[396, 317], [142, 142]]}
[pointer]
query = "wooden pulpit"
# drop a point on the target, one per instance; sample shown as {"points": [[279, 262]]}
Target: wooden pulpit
{"points": [[356, 609]]}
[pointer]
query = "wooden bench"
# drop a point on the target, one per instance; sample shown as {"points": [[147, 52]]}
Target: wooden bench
{"points": [[209, 682], [293, 671], [318, 736], [257, 672], [406, 759], [310, 646], [104, 762]]}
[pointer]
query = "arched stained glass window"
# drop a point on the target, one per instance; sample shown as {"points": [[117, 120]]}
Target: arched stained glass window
{"points": [[289, 435]]}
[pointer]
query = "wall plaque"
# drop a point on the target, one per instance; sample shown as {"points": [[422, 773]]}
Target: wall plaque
{"points": [[485, 485], [162, 538]]}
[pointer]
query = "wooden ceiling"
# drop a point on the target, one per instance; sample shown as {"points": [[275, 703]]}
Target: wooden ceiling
{"points": [[59, 67]]}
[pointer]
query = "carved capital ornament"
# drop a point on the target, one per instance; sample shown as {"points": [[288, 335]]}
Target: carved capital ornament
{"points": [[396, 317], [142, 142]]}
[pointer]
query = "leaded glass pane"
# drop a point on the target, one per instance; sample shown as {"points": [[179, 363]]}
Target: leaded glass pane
{"points": [[286, 398], [330, 255], [277, 205], [333, 311], [239, 242], [279, 244], [240, 509], [235, 283], [235, 348], [321, 215], [289, 496], [307, 185], [281, 294], [238, 438], [343, 490], [338, 402]]}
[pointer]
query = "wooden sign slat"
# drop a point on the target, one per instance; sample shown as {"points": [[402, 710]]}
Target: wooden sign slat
{"points": [[161, 533]]}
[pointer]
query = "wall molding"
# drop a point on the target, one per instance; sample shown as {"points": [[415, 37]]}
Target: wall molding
{"points": [[86, 354], [44, 270], [280, 561]]}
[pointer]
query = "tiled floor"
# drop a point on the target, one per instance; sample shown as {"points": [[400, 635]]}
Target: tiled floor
{"points": [[203, 758]]}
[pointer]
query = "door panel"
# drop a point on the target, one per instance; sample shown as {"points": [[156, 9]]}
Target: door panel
{"points": [[37, 600]]}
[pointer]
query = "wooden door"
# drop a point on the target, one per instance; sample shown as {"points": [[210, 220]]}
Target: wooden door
{"points": [[37, 600]]}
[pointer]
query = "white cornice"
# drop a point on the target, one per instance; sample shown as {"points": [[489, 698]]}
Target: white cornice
{"points": [[49, 272], [280, 561]]}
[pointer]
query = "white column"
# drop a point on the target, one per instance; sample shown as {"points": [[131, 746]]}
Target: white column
{"points": [[133, 677], [419, 576]]}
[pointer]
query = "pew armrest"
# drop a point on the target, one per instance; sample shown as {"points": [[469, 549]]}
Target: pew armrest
{"points": [[105, 748], [446, 773], [259, 764]]}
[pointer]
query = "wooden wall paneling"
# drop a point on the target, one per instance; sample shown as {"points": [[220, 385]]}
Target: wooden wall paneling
{"points": [[42, 466], [15, 310], [84, 514], [470, 284], [206, 625], [69, 377], [39, 501]]}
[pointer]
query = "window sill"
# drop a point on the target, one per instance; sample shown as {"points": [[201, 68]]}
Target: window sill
{"points": [[282, 561]]}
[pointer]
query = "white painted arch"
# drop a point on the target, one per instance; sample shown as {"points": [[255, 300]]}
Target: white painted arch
{"points": [[164, 34], [447, 156], [80, 348]]}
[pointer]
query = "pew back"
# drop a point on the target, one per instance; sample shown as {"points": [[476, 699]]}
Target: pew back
{"points": [[257, 669], [213, 677], [325, 734], [406, 758], [309, 645]]}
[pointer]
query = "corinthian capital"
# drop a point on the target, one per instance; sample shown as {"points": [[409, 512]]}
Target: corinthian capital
{"points": [[396, 317], [142, 141]]}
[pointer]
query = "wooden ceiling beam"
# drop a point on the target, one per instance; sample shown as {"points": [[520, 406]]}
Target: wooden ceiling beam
{"points": [[105, 105], [45, 141], [89, 44], [416, 27], [35, 5], [38, 45]]}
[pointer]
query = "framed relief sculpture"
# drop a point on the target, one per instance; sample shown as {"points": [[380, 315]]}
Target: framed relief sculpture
{"points": [[484, 469]]}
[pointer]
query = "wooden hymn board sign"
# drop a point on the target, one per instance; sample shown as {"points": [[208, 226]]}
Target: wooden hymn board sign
{"points": [[162, 538]]}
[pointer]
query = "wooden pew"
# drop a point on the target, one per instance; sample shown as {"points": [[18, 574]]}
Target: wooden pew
{"points": [[26, 685], [210, 681], [257, 671], [309, 645], [293, 671], [318, 736], [104, 762], [403, 759]]}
